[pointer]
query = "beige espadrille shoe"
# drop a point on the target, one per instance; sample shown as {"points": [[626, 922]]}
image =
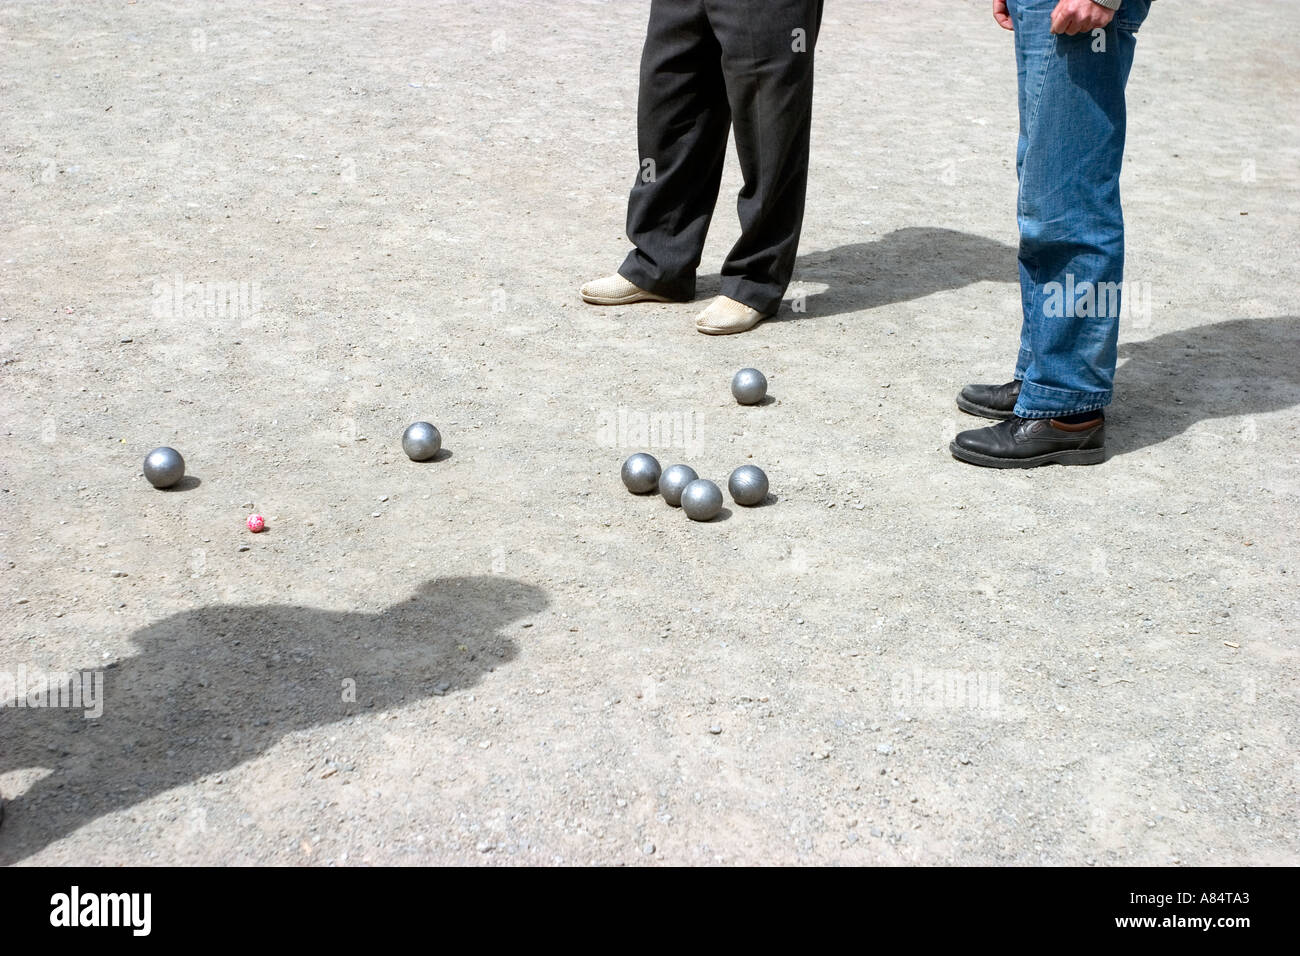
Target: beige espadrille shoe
{"points": [[726, 316], [615, 290]]}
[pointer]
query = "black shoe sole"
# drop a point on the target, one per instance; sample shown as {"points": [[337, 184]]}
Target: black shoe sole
{"points": [[983, 411], [1069, 456]]}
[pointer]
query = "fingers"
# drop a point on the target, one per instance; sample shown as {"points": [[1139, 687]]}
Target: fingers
{"points": [[1071, 17], [1063, 18], [1001, 16]]}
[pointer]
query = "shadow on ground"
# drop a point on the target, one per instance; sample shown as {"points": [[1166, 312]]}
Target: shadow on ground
{"points": [[905, 264], [215, 687], [1168, 383]]}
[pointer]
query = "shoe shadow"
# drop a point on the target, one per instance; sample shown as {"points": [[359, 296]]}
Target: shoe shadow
{"points": [[1168, 383], [215, 687], [905, 264]]}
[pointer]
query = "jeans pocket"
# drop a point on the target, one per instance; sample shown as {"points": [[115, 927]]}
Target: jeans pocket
{"points": [[1131, 15]]}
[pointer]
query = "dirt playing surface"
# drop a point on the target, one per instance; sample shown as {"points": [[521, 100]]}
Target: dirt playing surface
{"points": [[272, 235]]}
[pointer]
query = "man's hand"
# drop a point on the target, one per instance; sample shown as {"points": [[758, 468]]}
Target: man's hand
{"points": [[1000, 14], [1077, 16]]}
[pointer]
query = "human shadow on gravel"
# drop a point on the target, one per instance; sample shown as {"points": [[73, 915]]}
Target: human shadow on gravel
{"points": [[905, 264], [217, 686], [1166, 384]]}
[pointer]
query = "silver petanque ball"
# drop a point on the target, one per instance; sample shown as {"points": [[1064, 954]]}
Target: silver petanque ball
{"points": [[641, 473], [749, 386], [701, 500], [748, 485], [673, 480], [421, 441], [164, 467]]}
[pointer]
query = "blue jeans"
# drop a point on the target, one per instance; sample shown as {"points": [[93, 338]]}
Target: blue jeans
{"points": [[1068, 160]]}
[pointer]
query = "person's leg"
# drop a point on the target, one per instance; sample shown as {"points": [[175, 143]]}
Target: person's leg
{"points": [[767, 58], [1072, 123], [1071, 226], [1024, 62], [682, 124]]}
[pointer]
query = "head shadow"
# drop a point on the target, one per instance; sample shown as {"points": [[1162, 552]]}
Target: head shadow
{"points": [[215, 687], [1168, 383]]}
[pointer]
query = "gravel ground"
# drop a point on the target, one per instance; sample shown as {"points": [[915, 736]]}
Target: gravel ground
{"points": [[273, 234]]}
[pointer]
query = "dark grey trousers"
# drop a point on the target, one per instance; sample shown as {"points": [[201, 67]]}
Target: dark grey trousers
{"points": [[708, 65]]}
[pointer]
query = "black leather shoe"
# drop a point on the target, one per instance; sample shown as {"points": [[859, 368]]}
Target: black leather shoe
{"points": [[1030, 442], [989, 401]]}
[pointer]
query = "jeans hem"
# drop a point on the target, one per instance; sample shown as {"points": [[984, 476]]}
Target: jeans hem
{"points": [[1060, 413], [1038, 401]]}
